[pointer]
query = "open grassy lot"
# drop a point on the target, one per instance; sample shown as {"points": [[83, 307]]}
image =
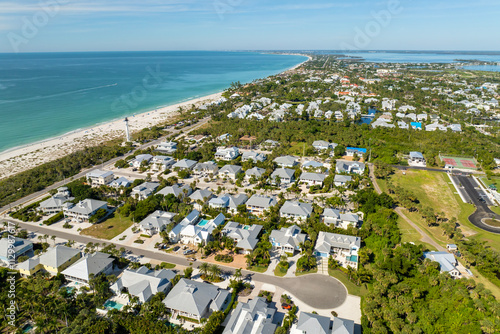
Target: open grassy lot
{"points": [[409, 234], [494, 180], [352, 288], [109, 228]]}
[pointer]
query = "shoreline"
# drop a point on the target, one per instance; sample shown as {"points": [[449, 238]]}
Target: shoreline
{"points": [[27, 156]]}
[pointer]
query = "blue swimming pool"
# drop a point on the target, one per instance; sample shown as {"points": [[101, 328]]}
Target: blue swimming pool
{"points": [[203, 222], [112, 305], [27, 328]]}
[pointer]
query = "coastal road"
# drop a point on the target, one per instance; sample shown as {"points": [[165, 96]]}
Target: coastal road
{"points": [[482, 209], [84, 172], [316, 290]]}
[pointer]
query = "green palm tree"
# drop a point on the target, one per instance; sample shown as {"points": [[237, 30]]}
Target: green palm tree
{"points": [[215, 271], [204, 268]]}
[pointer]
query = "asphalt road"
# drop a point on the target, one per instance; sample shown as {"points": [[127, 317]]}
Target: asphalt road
{"points": [[482, 209], [316, 290], [442, 170], [84, 172]]}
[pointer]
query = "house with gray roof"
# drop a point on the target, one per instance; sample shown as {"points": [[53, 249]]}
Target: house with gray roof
{"points": [[206, 168], [312, 165], [167, 147], [288, 239], [144, 190], [254, 156], [200, 233], [230, 171], [55, 203], [285, 176], [140, 160], [97, 178], [331, 216], [227, 153], [257, 204], [228, 202], [312, 179], [310, 323], [53, 261], [416, 159], [144, 283], [12, 248], [255, 173], [269, 144], [255, 316], [203, 195], [447, 262], [349, 167], [343, 248], [191, 219], [341, 180], [120, 182], [184, 164], [89, 265], [161, 163], [176, 190], [296, 210], [196, 300], [323, 145], [83, 210], [156, 222], [246, 237], [286, 161]]}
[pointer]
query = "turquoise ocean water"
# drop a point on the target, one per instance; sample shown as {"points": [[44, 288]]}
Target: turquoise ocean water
{"points": [[49, 94]]}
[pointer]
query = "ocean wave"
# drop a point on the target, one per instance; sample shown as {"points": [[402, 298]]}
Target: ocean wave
{"points": [[35, 98]]}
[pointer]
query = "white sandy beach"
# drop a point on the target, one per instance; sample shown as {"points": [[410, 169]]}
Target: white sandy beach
{"points": [[26, 157]]}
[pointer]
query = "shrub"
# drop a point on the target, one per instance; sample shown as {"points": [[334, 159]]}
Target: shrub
{"points": [[54, 219], [224, 258]]}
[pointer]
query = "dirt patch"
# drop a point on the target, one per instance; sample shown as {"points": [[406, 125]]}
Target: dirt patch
{"points": [[239, 260]]}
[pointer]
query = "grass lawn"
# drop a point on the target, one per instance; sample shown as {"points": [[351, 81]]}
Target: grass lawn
{"points": [[493, 180], [167, 265], [109, 228], [409, 234], [352, 288], [495, 209], [258, 269], [312, 271], [279, 271]]}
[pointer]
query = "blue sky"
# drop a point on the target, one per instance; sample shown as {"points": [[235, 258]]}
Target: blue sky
{"points": [[109, 25]]}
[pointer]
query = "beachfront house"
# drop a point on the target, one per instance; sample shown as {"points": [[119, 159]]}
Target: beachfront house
{"points": [[97, 178], [282, 176], [288, 239], [257, 204], [196, 300], [156, 222], [245, 237], [53, 261], [255, 316], [167, 147], [140, 160], [343, 248], [83, 210], [143, 283], [227, 153], [254, 156], [56, 202], [341, 180], [144, 190], [286, 161], [349, 167], [416, 159], [11, 248], [230, 171], [312, 179], [90, 265], [161, 163], [447, 262]]}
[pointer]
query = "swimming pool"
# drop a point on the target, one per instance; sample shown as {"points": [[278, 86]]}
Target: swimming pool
{"points": [[246, 227], [27, 328], [203, 222], [112, 305]]}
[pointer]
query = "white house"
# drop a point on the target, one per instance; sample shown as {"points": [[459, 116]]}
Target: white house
{"points": [[230, 171], [83, 210], [97, 178], [246, 237], [206, 169], [144, 190], [161, 163], [312, 179], [344, 166], [191, 219], [286, 161], [341, 180], [140, 160], [257, 204], [416, 159], [156, 222], [184, 164], [167, 147], [287, 240], [227, 153], [176, 190], [55, 203], [333, 217], [201, 233], [343, 248], [323, 145], [255, 173], [285, 175], [90, 265], [296, 210], [254, 156], [447, 262], [203, 195]]}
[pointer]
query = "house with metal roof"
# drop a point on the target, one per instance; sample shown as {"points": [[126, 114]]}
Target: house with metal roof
{"points": [[331, 216], [447, 262], [140, 160], [254, 156], [191, 219], [309, 323], [312, 179], [257, 204], [341, 180], [207, 168], [296, 210], [286, 161], [89, 265], [97, 178], [343, 248], [246, 237], [203, 195], [156, 222], [144, 283], [144, 190], [176, 190], [255, 316], [284, 175], [228, 202], [55, 203], [53, 261], [167, 147], [227, 153], [196, 300], [161, 163], [230, 171], [345, 166], [323, 145], [416, 159], [11, 248], [201, 233], [184, 164], [350, 151], [83, 210], [120, 182], [255, 173], [287, 239]]}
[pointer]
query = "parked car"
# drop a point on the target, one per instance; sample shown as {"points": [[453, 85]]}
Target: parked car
{"points": [[286, 306], [192, 259], [189, 251], [176, 248]]}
